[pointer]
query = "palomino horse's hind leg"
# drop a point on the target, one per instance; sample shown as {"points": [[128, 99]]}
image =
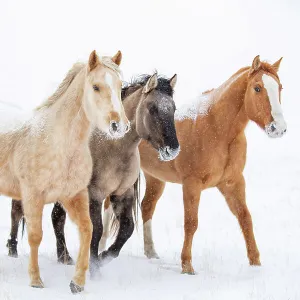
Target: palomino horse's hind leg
{"points": [[78, 210], [58, 221], [16, 216], [154, 190], [191, 197], [122, 206], [95, 213], [234, 194], [33, 212]]}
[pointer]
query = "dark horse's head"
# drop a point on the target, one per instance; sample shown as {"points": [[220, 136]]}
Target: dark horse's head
{"points": [[155, 114]]}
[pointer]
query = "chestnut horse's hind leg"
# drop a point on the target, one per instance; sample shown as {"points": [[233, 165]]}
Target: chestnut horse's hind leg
{"points": [[16, 216], [78, 210], [58, 221], [154, 190], [191, 197], [122, 206], [33, 212], [234, 194]]}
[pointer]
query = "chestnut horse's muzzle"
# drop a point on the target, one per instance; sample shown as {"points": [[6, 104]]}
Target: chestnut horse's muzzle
{"points": [[276, 129]]}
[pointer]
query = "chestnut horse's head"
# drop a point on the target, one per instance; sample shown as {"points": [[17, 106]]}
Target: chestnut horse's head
{"points": [[103, 95], [263, 98]]}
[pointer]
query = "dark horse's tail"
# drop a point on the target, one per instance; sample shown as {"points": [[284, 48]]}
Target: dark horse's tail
{"points": [[135, 208]]}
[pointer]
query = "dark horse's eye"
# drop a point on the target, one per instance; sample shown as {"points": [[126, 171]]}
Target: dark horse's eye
{"points": [[96, 88], [257, 89], [153, 110]]}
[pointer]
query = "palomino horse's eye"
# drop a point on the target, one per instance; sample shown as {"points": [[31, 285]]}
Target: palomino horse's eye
{"points": [[257, 89], [96, 88]]}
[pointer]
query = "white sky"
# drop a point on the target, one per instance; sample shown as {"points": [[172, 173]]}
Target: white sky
{"points": [[204, 42]]}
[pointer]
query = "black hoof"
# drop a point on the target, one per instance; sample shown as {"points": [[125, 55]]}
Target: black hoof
{"points": [[12, 248], [106, 257], [75, 288], [66, 260]]}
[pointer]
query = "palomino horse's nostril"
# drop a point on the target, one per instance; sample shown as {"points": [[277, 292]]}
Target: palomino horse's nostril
{"points": [[284, 131], [114, 126], [127, 127]]}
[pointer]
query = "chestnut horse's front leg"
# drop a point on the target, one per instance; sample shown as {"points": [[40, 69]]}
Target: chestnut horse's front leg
{"points": [[234, 193], [191, 197], [33, 212], [78, 210]]}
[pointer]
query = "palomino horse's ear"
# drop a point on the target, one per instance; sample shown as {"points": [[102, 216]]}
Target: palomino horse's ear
{"points": [[151, 84], [276, 65], [173, 81], [117, 58], [255, 64], [93, 61]]}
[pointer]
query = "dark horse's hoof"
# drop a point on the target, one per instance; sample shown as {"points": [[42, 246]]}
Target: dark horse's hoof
{"points": [[12, 248], [75, 288], [66, 260], [106, 256]]}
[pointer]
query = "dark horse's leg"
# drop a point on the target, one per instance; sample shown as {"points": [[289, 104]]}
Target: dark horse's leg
{"points": [[16, 216], [95, 213], [58, 221], [122, 206]]}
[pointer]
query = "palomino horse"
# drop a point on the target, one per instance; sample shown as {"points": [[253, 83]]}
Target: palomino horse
{"points": [[213, 152], [48, 157], [149, 105]]}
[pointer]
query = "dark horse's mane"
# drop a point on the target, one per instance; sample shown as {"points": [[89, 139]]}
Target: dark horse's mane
{"points": [[163, 85]]}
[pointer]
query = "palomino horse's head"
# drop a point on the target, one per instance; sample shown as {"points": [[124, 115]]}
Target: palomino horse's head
{"points": [[103, 91], [263, 98], [156, 116]]}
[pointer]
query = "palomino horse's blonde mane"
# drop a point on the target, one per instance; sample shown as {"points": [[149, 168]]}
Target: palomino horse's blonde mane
{"points": [[74, 71]]}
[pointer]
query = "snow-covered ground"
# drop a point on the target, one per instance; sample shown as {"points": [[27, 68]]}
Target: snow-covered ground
{"points": [[204, 42]]}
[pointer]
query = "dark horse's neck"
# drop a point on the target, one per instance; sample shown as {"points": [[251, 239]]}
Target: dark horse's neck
{"points": [[131, 103]]}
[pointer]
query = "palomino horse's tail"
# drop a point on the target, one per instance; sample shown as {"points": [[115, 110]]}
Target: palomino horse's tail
{"points": [[135, 208]]}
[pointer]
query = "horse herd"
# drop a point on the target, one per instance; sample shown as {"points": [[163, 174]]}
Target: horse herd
{"points": [[88, 141]]}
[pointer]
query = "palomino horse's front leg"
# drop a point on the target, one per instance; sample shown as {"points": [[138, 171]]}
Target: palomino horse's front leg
{"points": [[234, 193], [78, 210], [58, 221], [122, 206], [33, 212], [191, 197]]}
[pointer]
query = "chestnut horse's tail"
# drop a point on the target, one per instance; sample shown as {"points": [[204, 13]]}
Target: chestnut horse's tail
{"points": [[135, 208]]}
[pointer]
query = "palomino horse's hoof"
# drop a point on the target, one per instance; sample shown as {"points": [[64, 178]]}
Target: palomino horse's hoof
{"points": [[75, 288], [38, 284], [151, 254]]}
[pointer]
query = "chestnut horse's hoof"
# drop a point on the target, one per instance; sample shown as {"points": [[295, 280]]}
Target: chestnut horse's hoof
{"points": [[255, 262], [75, 288], [38, 284], [188, 269]]}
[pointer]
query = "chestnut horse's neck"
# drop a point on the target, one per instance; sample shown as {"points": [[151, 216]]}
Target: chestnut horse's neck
{"points": [[228, 109]]}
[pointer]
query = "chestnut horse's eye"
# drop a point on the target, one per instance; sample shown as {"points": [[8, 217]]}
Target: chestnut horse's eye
{"points": [[96, 88], [257, 89]]}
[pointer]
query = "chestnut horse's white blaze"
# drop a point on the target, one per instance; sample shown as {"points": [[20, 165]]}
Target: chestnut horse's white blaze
{"points": [[278, 126]]}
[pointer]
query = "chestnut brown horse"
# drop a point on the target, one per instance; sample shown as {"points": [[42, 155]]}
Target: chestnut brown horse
{"points": [[47, 157], [213, 152]]}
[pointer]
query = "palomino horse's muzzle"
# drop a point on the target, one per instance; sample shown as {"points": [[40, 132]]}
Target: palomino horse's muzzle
{"points": [[275, 129], [118, 129]]}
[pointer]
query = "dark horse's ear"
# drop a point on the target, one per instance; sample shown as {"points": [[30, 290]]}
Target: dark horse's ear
{"points": [[151, 84], [255, 64], [173, 81], [117, 58], [93, 61], [276, 65]]}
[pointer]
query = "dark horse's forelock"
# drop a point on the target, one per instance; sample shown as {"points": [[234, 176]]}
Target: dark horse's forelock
{"points": [[163, 85]]}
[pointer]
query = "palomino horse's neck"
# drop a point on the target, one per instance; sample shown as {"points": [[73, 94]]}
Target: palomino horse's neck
{"points": [[69, 116], [228, 110]]}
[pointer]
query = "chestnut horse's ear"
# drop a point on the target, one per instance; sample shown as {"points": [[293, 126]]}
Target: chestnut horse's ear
{"points": [[276, 65], [117, 58], [255, 64], [151, 84], [173, 81], [93, 61]]}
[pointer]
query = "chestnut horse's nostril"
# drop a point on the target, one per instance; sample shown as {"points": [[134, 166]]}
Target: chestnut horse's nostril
{"points": [[273, 128], [114, 126]]}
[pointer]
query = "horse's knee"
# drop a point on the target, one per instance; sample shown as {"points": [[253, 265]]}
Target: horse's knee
{"points": [[35, 238], [191, 225], [86, 228]]}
